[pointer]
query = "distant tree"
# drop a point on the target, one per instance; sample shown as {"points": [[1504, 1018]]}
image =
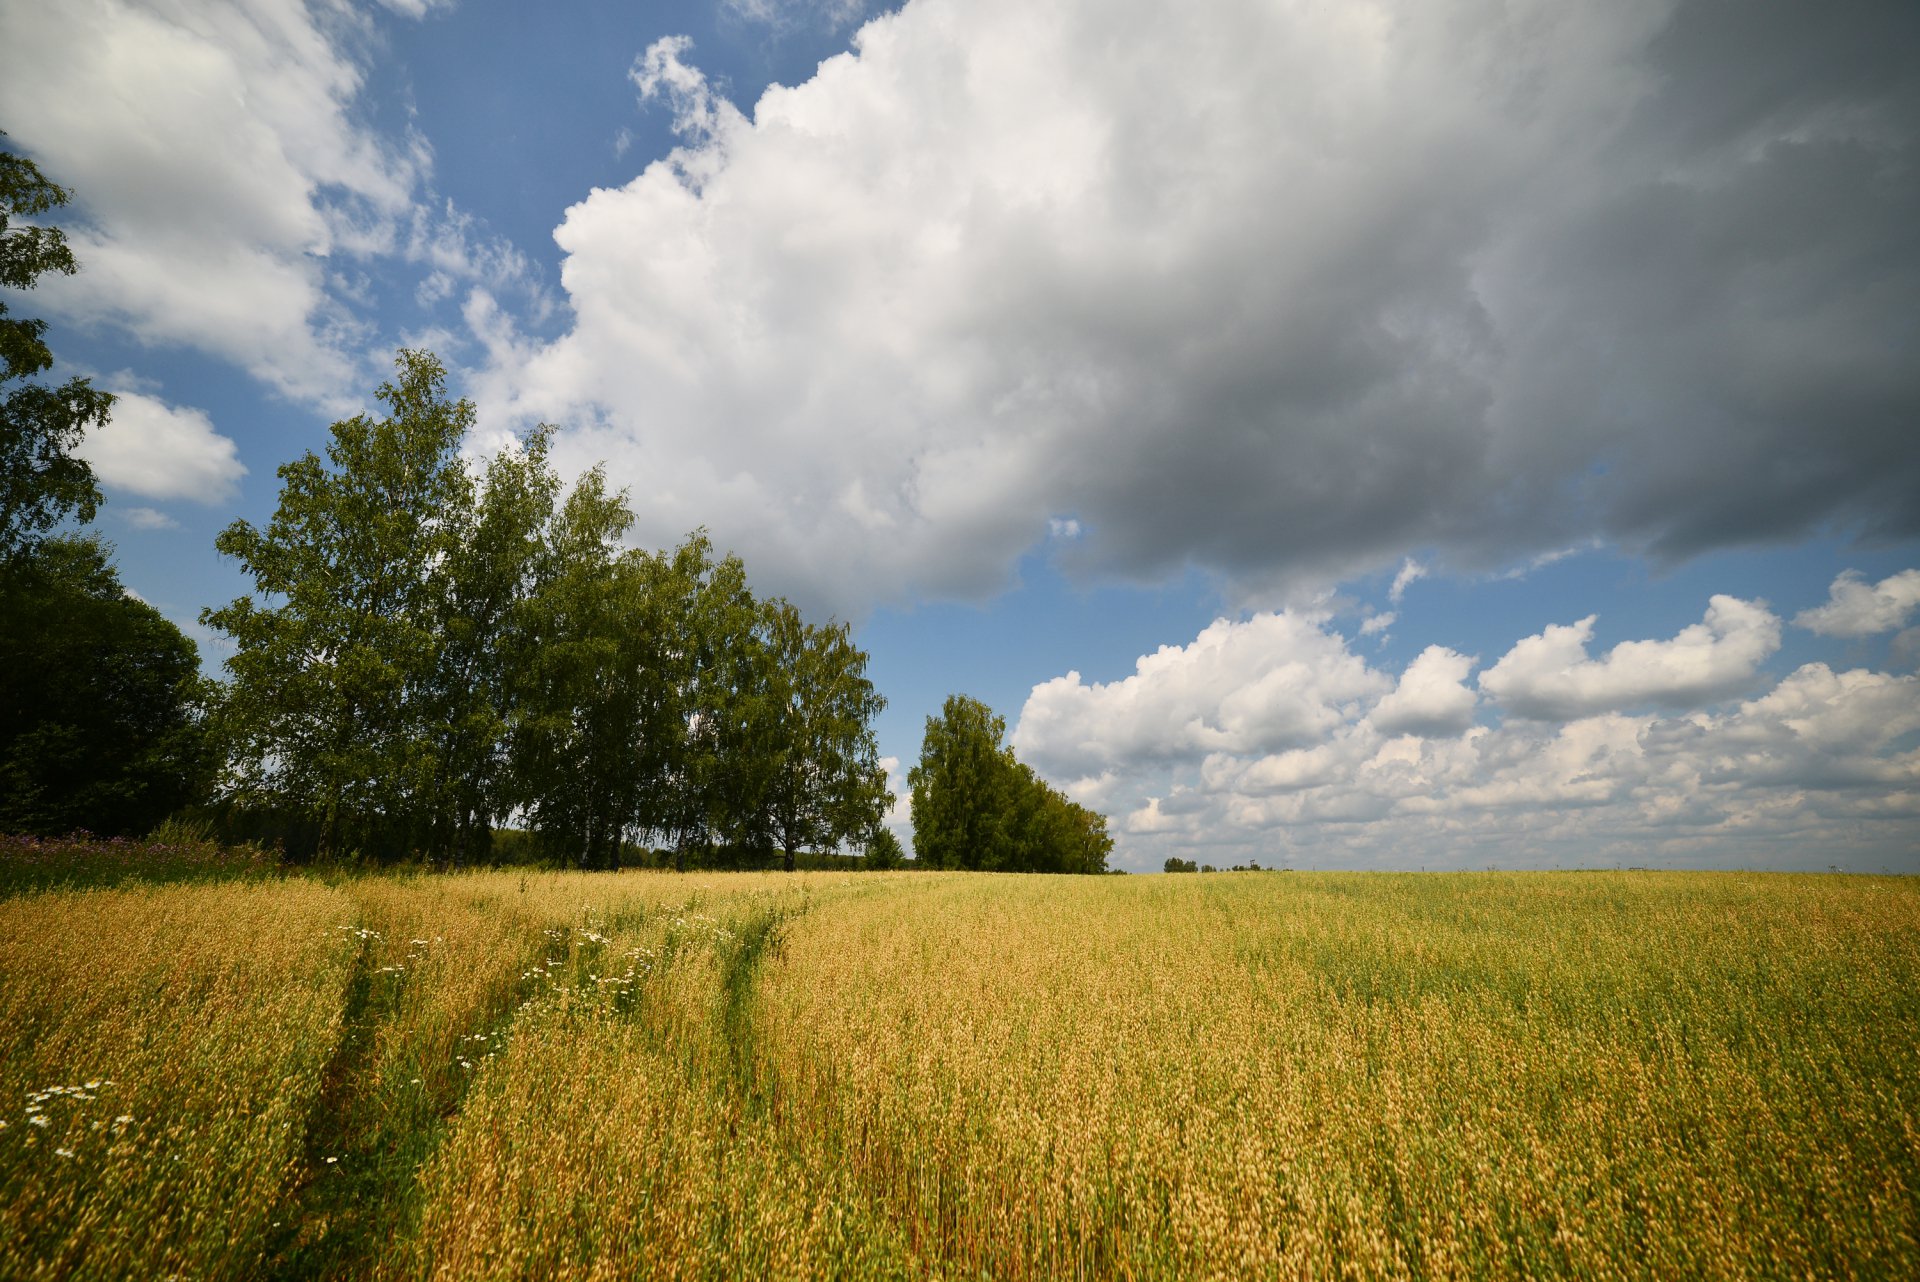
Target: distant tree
{"points": [[1082, 836], [328, 711], [102, 698], [883, 850], [1174, 864], [961, 788], [41, 482], [819, 779], [976, 806]]}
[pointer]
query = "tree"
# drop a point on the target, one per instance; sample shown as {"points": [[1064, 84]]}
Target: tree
{"points": [[326, 714], [883, 850], [41, 482], [711, 780], [580, 727], [482, 617], [102, 695], [975, 806], [959, 787], [819, 779]]}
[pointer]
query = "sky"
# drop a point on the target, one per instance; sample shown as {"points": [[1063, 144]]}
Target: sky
{"points": [[1461, 433]]}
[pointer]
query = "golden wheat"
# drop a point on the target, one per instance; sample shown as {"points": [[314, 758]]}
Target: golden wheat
{"points": [[916, 1075]]}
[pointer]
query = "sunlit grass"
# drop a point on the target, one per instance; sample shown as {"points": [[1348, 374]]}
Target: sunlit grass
{"points": [[919, 1075], [189, 1028]]}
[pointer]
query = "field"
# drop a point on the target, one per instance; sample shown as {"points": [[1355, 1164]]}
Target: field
{"points": [[952, 1075]]}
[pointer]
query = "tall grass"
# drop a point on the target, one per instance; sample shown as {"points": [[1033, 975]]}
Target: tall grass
{"points": [[949, 1075], [1546, 1074], [160, 1053], [81, 861]]}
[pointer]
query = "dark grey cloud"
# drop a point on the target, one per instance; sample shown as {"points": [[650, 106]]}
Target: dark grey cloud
{"points": [[1712, 344], [1279, 293]]}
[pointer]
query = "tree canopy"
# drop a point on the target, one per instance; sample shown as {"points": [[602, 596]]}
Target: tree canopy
{"points": [[428, 652], [976, 806], [41, 482], [103, 699]]}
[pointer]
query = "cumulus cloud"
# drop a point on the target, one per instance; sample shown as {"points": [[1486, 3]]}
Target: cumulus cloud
{"points": [[1279, 292], [1819, 766], [1550, 676], [1432, 697], [162, 451], [1856, 608], [1269, 682], [225, 183], [199, 138]]}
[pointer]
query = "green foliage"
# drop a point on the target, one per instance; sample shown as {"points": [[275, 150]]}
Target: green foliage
{"points": [[41, 483], [821, 782], [427, 654], [975, 806], [100, 696], [103, 728], [1175, 864], [330, 707], [482, 630], [578, 726], [883, 850]]}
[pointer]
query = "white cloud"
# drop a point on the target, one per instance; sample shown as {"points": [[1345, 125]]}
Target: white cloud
{"points": [[1272, 681], [161, 451], [1856, 608], [899, 815], [1821, 767], [1277, 292], [1550, 676], [212, 147], [1410, 570], [146, 518], [782, 15], [1432, 697], [417, 8], [1377, 623], [227, 192]]}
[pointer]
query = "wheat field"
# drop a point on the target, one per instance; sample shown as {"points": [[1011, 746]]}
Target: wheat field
{"points": [[916, 1075]]}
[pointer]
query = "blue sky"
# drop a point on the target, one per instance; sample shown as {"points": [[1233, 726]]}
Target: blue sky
{"points": [[1345, 435]]}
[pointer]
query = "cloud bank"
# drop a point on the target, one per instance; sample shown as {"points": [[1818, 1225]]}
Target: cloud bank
{"points": [[1270, 738], [1281, 292]]}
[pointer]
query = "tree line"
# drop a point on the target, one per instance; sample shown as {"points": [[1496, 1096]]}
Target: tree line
{"points": [[432, 651], [427, 652]]}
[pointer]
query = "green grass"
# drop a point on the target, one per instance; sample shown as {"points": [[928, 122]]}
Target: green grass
{"points": [[82, 861]]}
